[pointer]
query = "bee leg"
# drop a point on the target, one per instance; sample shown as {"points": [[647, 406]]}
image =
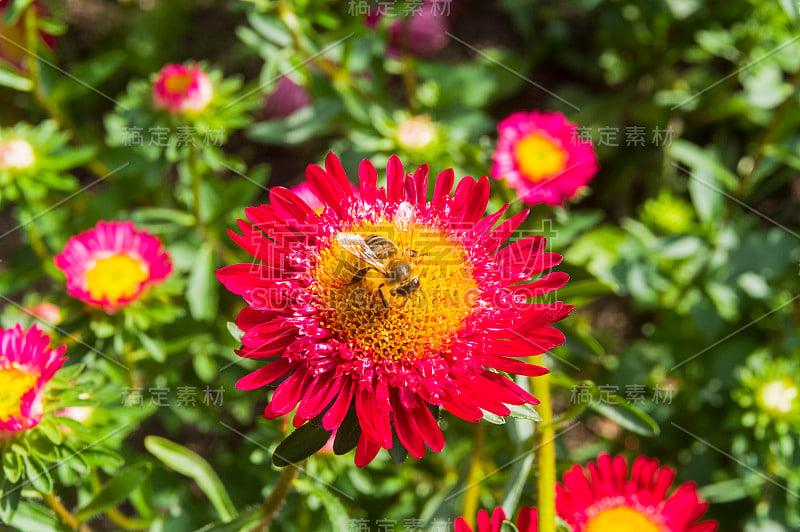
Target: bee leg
{"points": [[359, 276], [405, 300], [383, 297]]}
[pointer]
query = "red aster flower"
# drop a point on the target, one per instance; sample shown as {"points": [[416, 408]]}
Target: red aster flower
{"points": [[27, 363], [527, 521], [388, 303], [541, 155], [601, 498]]}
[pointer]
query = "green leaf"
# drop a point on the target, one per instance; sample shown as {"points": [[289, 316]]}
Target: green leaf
{"points": [[246, 517], [235, 331], [730, 490], [97, 457], [152, 346], [9, 78], [115, 491], [347, 434], [32, 517], [12, 466], [493, 418], [337, 513], [201, 291], [192, 465], [627, 416], [516, 482], [525, 411], [300, 444], [37, 474]]}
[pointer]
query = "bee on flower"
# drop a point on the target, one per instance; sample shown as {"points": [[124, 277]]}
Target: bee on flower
{"points": [[389, 305]]}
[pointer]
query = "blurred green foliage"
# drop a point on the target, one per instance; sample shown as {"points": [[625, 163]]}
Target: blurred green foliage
{"points": [[684, 257]]}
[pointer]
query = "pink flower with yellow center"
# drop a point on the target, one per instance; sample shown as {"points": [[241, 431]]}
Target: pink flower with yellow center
{"points": [[111, 265], [182, 88], [16, 154], [27, 363], [542, 156], [601, 498], [527, 521], [389, 304]]}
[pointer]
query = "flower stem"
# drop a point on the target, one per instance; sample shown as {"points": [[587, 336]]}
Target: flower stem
{"points": [[470, 509], [278, 496], [32, 42], [545, 456], [62, 513]]}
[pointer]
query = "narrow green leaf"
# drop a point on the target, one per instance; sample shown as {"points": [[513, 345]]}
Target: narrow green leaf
{"points": [[37, 474], [492, 418], [154, 347], [731, 490], [300, 444], [516, 482], [525, 411], [201, 291], [115, 491], [627, 416], [9, 78], [192, 465]]}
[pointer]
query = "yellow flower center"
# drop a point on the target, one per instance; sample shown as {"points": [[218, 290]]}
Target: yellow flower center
{"points": [[178, 83], [621, 519], [539, 157], [116, 278], [14, 383], [388, 318]]}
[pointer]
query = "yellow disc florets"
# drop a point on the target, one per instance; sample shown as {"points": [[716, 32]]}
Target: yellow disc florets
{"points": [[407, 316]]}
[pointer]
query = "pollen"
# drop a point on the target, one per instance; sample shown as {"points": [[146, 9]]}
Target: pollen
{"points": [[622, 519], [116, 277], [14, 383], [380, 324], [540, 157]]}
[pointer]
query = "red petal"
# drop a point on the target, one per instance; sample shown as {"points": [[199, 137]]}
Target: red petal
{"points": [[444, 185], [366, 450], [267, 374], [334, 169], [335, 415], [394, 179]]}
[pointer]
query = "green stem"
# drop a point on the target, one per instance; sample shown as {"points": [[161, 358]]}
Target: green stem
{"points": [[278, 496], [769, 134], [64, 515], [545, 456], [410, 82], [32, 42], [470, 508], [196, 181]]}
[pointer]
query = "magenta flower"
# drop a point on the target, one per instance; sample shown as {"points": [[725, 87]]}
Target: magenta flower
{"points": [[27, 363], [182, 89], [527, 521], [287, 98], [388, 303], [542, 156], [111, 265]]}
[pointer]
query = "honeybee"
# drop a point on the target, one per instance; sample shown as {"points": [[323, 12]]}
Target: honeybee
{"points": [[382, 255]]}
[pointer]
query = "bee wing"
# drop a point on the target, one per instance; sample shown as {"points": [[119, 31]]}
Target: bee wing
{"points": [[356, 245], [404, 216]]}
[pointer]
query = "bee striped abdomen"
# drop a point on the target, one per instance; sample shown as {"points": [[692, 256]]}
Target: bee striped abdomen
{"points": [[381, 246]]}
